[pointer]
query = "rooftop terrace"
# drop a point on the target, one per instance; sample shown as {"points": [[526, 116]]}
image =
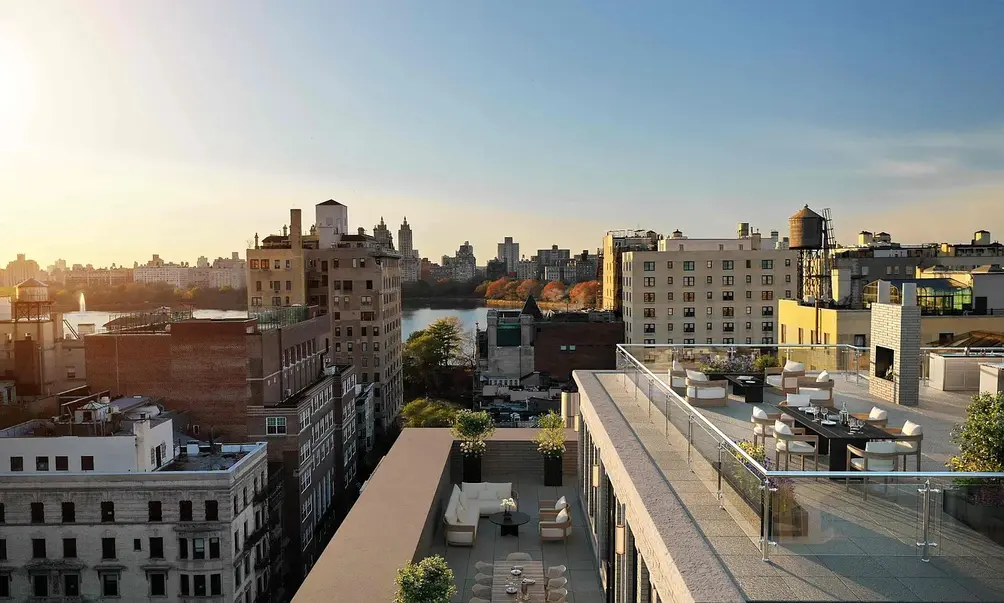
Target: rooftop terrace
{"points": [[824, 539]]}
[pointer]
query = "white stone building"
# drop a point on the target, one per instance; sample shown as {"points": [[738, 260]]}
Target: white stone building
{"points": [[104, 504]]}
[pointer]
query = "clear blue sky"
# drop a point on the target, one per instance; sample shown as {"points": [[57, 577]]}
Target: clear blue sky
{"points": [[182, 128]]}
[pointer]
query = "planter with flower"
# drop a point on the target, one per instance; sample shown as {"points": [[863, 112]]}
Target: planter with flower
{"points": [[979, 503], [472, 428], [508, 505], [721, 367], [550, 442]]}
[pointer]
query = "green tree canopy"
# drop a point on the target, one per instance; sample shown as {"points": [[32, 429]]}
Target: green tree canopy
{"points": [[428, 412]]}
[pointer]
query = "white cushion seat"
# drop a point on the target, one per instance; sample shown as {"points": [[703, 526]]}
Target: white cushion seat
{"points": [[774, 381], [798, 400], [823, 377], [710, 393], [678, 381], [876, 464], [486, 497], [815, 394], [795, 447]]}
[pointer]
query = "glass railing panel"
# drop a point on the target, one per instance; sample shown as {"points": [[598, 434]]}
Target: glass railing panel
{"points": [[742, 494], [968, 518]]}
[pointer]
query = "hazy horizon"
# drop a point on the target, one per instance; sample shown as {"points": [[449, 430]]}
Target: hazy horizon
{"points": [[128, 129]]}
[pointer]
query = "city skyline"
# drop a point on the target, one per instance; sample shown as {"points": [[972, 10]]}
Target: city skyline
{"points": [[448, 113]]}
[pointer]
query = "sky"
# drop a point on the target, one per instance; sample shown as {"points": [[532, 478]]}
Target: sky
{"points": [[183, 128]]}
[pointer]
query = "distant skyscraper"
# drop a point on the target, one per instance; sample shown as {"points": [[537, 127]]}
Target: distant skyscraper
{"points": [[383, 236], [509, 252], [409, 255]]}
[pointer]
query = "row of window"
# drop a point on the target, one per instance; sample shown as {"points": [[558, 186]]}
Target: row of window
{"points": [[154, 509], [346, 285], [689, 327], [42, 463], [44, 585], [689, 296], [727, 280], [711, 341], [363, 331], [263, 264], [710, 311], [690, 266]]}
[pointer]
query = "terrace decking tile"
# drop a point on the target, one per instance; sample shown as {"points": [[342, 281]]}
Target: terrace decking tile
{"points": [[939, 589], [818, 588], [864, 588]]}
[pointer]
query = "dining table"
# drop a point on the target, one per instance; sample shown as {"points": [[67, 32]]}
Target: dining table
{"points": [[833, 439], [502, 575]]}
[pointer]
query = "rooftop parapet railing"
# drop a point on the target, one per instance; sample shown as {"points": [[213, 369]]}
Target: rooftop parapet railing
{"points": [[927, 505]]}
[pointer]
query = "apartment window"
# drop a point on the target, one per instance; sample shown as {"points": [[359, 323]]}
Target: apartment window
{"points": [[787, 278], [728, 295], [766, 295], [728, 264], [215, 584], [688, 281], [749, 340], [669, 326], [749, 310], [709, 311], [69, 513], [109, 584], [728, 311], [767, 311], [787, 293], [709, 341], [688, 327], [184, 585], [766, 279], [348, 331], [688, 266], [198, 548], [826, 338], [38, 548], [728, 327], [749, 295], [71, 585], [40, 585], [710, 264], [157, 548], [669, 265], [158, 584], [4, 584], [649, 266], [62, 463], [669, 312], [212, 510], [37, 512], [41, 463], [199, 582], [650, 281], [649, 298], [728, 340], [649, 342], [649, 312], [749, 279], [277, 425], [182, 548], [708, 326], [767, 264], [728, 281], [767, 326], [787, 262], [107, 548], [185, 510], [710, 295], [237, 537], [650, 327], [688, 313], [767, 340], [214, 548], [749, 326], [154, 511], [3, 516], [17, 463], [688, 342], [749, 263]]}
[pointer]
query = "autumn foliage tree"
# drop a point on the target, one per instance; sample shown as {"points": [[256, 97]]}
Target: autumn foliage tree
{"points": [[528, 288], [496, 289], [585, 294], [553, 291]]}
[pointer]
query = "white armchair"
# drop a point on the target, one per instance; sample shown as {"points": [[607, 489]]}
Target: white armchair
{"points": [[908, 440], [702, 392], [786, 377], [818, 388], [557, 529]]}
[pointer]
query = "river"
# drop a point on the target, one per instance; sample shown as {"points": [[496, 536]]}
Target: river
{"points": [[412, 319]]}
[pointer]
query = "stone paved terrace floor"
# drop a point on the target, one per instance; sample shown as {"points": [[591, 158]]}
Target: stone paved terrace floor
{"points": [[575, 553], [855, 550]]}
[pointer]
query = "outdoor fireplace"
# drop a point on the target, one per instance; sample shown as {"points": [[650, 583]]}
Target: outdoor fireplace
{"points": [[884, 358]]}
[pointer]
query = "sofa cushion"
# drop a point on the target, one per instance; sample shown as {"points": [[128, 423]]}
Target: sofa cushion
{"points": [[794, 367], [470, 487], [823, 377], [696, 375], [503, 490], [795, 446], [466, 538], [877, 414], [774, 381], [706, 393], [815, 394], [552, 532], [911, 429], [782, 428], [798, 400], [562, 516]]}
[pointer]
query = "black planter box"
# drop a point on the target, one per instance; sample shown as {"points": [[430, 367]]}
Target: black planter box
{"points": [[472, 469], [985, 518], [552, 471]]}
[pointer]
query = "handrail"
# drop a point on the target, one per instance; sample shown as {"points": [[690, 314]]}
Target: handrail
{"points": [[710, 427], [847, 346], [706, 424]]}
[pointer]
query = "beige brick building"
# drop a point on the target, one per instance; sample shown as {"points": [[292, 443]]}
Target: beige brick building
{"points": [[704, 291]]}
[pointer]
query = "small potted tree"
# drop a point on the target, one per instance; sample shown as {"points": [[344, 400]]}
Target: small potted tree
{"points": [[428, 581], [764, 362], [551, 445], [472, 428], [979, 503]]}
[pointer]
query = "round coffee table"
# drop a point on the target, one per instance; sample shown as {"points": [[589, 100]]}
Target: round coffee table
{"points": [[510, 525]]}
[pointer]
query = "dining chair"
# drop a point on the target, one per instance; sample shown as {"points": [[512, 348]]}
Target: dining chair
{"points": [[789, 443], [763, 424], [519, 557], [481, 590], [877, 456], [484, 567], [485, 579], [479, 600], [556, 595], [556, 583], [908, 440], [555, 571], [876, 417]]}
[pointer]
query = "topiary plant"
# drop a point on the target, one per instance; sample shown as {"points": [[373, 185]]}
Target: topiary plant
{"points": [[550, 439], [428, 581], [472, 428]]}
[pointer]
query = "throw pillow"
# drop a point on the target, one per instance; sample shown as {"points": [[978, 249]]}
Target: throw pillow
{"points": [[696, 375], [759, 413], [823, 377], [562, 516], [793, 367], [782, 428], [560, 504], [910, 428], [877, 413]]}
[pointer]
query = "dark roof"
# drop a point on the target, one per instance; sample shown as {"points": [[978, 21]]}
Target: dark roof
{"points": [[975, 339], [805, 212], [531, 308], [330, 202]]}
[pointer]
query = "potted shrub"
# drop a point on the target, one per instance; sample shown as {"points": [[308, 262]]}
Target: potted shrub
{"points": [[719, 367], [472, 428], [428, 581], [978, 503], [764, 362], [551, 445]]}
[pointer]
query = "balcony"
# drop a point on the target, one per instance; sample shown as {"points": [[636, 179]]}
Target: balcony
{"points": [[817, 534]]}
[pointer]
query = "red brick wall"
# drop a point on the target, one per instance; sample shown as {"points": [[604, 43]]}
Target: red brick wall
{"points": [[595, 347]]}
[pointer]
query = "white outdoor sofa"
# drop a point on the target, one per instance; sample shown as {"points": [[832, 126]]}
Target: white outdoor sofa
{"points": [[487, 497]]}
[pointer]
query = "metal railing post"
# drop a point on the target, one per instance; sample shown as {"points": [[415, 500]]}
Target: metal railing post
{"points": [[721, 469], [926, 544], [765, 541], [690, 440], [650, 399], [637, 374]]}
